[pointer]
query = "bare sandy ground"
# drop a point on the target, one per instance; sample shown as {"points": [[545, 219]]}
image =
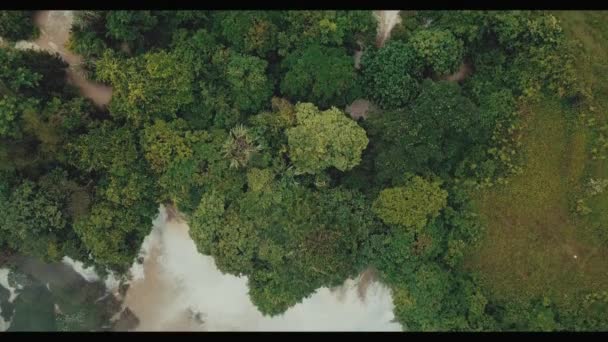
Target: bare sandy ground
{"points": [[386, 21], [463, 72], [360, 108]]}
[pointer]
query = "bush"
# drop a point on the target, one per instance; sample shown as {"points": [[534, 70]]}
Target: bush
{"points": [[17, 25]]}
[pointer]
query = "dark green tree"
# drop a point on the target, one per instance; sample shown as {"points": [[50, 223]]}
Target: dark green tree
{"points": [[318, 74]]}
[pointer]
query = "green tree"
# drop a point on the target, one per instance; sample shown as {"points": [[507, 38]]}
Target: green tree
{"points": [[104, 148], [51, 68], [324, 139], [467, 25], [319, 74], [227, 86], [17, 25], [164, 143], [390, 74], [153, 85], [411, 205], [11, 109], [288, 239], [259, 179], [331, 28], [249, 32], [113, 233], [37, 218], [419, 302], [433, 135], [239, 147], [129, 26], [16, 77], [248, 85], [441, 52]]}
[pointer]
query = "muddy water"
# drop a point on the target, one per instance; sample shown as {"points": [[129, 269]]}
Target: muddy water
{"points": [[183, 290], [54, 34]]}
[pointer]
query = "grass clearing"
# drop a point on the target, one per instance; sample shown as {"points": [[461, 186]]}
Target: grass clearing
{"points": [[590, 28], [535, 245]]}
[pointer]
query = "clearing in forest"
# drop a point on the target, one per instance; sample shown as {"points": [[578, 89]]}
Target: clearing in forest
{"points": [[535, 244]]}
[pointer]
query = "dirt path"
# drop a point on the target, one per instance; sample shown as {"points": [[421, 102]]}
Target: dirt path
{"points": [[360, 108], [54, 34], [462, 73], [386, 21]]}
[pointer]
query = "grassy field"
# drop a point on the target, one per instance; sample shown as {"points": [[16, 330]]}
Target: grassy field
{"points": [[590, 28], [535, 245]]}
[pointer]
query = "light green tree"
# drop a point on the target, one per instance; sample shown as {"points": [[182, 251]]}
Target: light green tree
{"points": [[411, 205], [154, 85], [439, 49], [323, 139]]}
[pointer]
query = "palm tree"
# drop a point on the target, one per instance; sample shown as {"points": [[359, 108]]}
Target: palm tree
{"points": [[239, 147]]}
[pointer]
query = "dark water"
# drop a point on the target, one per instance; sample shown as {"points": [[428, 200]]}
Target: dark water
{"points": [[54, 297], [33, 310]]}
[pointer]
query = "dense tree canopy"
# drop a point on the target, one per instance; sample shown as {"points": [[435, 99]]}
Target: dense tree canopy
{"points": [[274, 233], [391, 74], [250, 32], [17, 25], [129, 26], [321, 75], [439, 49], [237, 119], [153, 85]]}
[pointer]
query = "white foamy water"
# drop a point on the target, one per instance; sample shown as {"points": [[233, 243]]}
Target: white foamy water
{"points": [[4, 325], [88, 273], [4, 283], [179, 283]]}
